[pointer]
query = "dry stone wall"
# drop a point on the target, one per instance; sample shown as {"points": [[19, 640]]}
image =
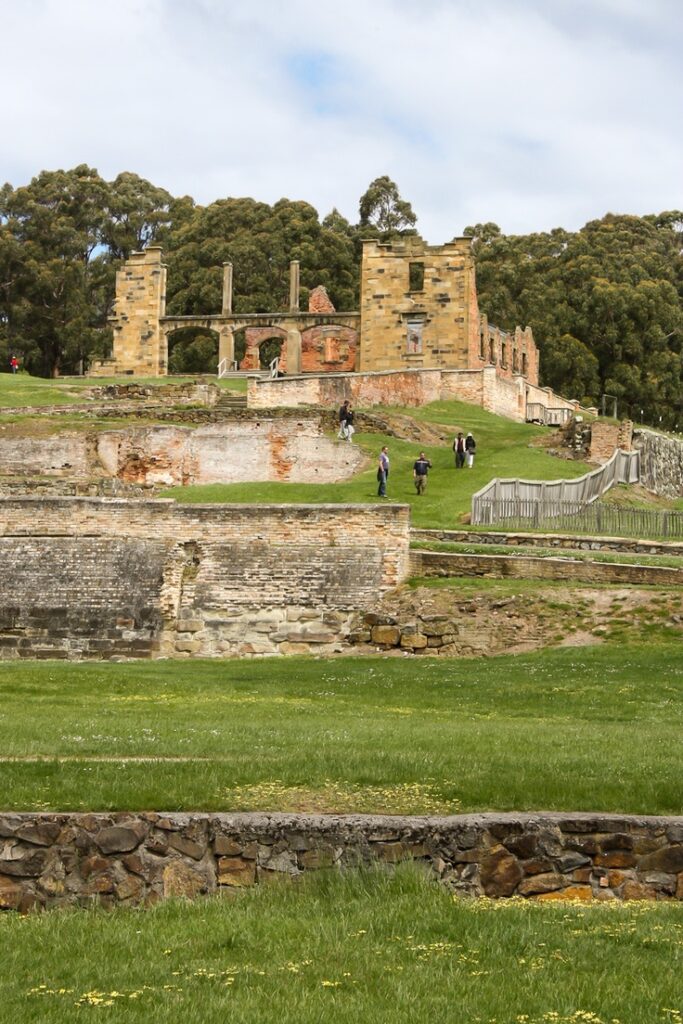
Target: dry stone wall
{"points": [[661, 462], [115, 578], [55, 860]]}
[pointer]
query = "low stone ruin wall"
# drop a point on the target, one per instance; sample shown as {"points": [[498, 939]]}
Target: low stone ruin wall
{"points": [[109, 578], [55, 860], [485, 387], [248, 449], [562, 541], [436, 563], [661, 462]]}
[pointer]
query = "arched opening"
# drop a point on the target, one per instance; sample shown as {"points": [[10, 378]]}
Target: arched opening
{"points": [[192, 350], [257, 347]]}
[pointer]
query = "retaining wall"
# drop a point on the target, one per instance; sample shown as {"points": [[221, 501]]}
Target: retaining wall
{"points": [[89, 577], [661, 462], [52, 860], [625, 545], [485, 387], [435, 563], [249, 449]]}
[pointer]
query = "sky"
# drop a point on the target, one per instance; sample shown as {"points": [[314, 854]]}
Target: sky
{"points": [[534, 114]]}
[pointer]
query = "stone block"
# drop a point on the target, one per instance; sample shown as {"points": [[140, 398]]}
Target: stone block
{"points": [[190, 625], [120, 838], [11, 894], [572, 892], [500, 872], [179, 879], [236, 872], [413, 641], [386, 636], [668, 859], [542, 883]]}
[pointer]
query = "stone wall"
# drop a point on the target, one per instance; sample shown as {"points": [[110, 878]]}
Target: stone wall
{"points": [[661, 462], [113, 578], [248, 449], [436, 563], [606, 436], [419, 309], [624, 545], [56, 860], [485, 387], [139, 344]]}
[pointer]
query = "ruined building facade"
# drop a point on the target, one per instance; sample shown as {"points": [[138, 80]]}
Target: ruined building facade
{"points": [[418, 310]]}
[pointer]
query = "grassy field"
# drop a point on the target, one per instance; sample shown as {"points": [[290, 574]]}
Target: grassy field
{"points": [[568, 729], [369, 947], [502, 450], [21, 389]]}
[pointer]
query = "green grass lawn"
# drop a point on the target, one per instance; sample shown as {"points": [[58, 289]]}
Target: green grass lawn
{"points": [[360, 947], [502, 450], [21, 389], [594, 728]]}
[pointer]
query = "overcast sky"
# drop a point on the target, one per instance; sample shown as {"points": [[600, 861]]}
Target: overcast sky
{"points": [[530, 113]]}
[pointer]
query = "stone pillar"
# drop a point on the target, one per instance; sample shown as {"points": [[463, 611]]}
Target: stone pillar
{"points": [[226, 345], [293, 351], [140, 344], [294, 286], [227, 289]]}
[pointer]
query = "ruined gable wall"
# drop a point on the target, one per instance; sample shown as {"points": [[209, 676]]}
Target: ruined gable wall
{"points": [[388, 304], [139, 345]]}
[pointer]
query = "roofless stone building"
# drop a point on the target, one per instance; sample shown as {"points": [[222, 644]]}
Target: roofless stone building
{"points": [[418, 310]]}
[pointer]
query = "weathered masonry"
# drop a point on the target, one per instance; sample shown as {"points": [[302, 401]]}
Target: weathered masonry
{"points": [[101, 578], [57, 860], [419, 310]]}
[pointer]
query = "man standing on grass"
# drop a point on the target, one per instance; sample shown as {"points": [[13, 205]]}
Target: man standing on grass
{"points": [[421, 467], [460, 450]]}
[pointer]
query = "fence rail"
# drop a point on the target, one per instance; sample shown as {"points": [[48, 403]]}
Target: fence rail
{"points": [[549, 495], [579, 517]]}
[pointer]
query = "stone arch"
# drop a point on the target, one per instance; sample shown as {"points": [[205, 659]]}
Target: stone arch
{"points": [[257, 352], [200, 346], [328, 347]]}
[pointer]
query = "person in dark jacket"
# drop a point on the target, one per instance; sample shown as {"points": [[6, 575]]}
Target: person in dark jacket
{"points": [[459, 449], [470, 448], [421, 467]]}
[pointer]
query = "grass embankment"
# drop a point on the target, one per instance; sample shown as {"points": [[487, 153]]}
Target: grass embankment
{"points": [[372, 947], [571, 729], [502, 450], [22, 390]]}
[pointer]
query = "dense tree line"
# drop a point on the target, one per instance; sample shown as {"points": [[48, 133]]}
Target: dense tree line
{"points": [[604, 302]]}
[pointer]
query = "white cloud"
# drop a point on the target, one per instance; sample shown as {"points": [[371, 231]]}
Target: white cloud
{"points": [[533, 114]]}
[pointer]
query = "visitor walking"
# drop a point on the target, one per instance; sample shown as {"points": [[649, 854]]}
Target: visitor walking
{"points": [[460, 450], [470, 447], [383, 472], [14, 363], [342, 420], [421, 467], [350, 429]]}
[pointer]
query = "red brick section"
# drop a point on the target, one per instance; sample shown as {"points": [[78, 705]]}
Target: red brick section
{"points": [[319, 301]]}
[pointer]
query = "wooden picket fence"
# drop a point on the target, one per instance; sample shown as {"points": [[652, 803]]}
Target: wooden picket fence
{"points": [[580, 517]]}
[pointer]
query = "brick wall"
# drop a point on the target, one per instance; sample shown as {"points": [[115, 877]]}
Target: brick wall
{"points": [[57, 860], [103, 577]]}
